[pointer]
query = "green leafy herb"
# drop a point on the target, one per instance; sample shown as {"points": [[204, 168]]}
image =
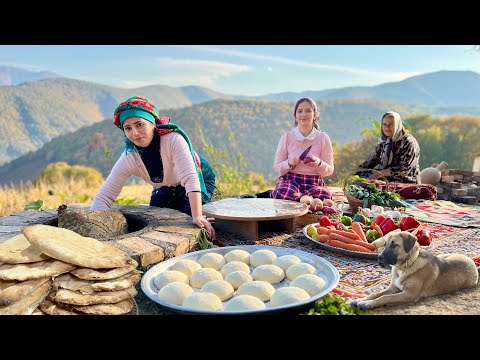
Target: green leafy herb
{"points": [[203, 242], [34, 205], [332, 304]]}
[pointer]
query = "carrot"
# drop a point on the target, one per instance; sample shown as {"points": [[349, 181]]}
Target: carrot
{"points": [[323, 231], [353, 236], [359, 231], [323, 238], [337, 243], [354, 247], [334, 236], [379, 230]]}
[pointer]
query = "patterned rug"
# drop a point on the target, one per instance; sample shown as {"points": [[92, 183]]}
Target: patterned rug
{"points": [[360, 277]]}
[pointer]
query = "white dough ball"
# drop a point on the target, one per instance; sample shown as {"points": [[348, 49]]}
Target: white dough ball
{"points": [[186, 266], [237, 278], [238, 255], [288, 295], [299, 269], [169, 276], [312, 284], [262, 257], [285, 261], [212, 260], [234, 266], [174, 293], [244, 303], [260, 289], [221, 288], [201, 276], [269, 273], [203, 301]]}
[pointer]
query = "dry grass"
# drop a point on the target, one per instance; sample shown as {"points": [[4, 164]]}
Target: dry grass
{"points": [[14, 199]]}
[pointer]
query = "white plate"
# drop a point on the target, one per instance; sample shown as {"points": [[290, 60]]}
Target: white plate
{"points": [[373, 256], [323, 269]]}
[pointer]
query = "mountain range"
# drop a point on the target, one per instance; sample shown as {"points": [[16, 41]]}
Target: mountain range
{"points": [[39, 110]]}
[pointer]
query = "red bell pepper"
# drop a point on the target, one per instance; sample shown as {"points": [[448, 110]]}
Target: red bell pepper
{"points": [[408, 222], [424, 237], [379, 219], [388, 225]]}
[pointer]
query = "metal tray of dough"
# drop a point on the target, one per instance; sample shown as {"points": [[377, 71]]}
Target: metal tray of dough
{"points": [[323, 268]]}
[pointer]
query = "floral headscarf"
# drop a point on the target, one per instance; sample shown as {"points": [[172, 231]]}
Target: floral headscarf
{"points": [[398, 132], [162, 127]]}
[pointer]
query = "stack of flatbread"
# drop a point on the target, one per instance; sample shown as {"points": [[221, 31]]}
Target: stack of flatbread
{"points": [[58, 271]]}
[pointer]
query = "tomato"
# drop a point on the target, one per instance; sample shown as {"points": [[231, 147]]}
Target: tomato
{"points": [[325, 221]]}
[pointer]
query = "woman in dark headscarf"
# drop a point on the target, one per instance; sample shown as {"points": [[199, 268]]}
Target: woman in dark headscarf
{"points": [[396, 154]]}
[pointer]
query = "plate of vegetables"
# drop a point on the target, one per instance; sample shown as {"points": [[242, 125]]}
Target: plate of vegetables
{"points": [[333, 236]]}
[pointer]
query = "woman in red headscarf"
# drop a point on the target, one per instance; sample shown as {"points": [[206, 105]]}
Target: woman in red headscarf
{"points": [[162, 155]]}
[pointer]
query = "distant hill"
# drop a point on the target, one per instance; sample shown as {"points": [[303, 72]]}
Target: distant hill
{"points": [[13, 76], [33, 113], [441, 88], [256, 126]]}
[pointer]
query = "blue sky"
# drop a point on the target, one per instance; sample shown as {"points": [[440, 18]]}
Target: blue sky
{"points": [[242, 69]]}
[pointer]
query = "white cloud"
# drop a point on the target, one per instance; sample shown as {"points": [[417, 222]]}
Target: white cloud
{"points": [[385, 76], [183, 72]]}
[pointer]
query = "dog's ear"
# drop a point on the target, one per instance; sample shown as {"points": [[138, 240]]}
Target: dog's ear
{"points": [[409, 240]]}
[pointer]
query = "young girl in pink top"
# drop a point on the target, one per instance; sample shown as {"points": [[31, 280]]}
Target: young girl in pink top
{"points": [[303, 177], [161, 154]]}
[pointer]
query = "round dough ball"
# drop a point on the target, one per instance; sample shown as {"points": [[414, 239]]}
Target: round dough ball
{"points": [[186, 266], [174, 293], [312, 284], [167, 277], [201, 276], [299, 269], [269, 273], [288, 295], [285, 261], [212, 260], [221, 288], [262, 257], [260, 289], [203, 301], [237, 278], [238, 255], [244, 303], [234, 266]]}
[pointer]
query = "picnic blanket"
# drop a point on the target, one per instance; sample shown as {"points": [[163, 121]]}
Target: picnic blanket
{"points": [[360, 277]]}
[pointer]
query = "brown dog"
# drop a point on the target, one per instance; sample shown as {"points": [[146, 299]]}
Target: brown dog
{"points": [[418, 273]]}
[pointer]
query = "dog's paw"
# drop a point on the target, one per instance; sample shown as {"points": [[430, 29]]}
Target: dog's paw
{"points": [[353, 302], [364, 305]]}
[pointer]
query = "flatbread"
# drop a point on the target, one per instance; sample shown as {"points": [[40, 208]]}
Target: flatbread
{"points": [[103, 274], [122, 307], [18, 250], [51, 308], [68, 246], [5, 284], [28, 303], [102, 297], [18, 290], [37, 270], [70, 282]]}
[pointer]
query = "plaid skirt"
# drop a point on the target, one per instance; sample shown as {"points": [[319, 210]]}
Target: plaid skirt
{"points": [[293, 186]]}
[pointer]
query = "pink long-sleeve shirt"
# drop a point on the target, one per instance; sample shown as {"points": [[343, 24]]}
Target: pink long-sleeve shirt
{"points": [[291, 146], [178, 168]]}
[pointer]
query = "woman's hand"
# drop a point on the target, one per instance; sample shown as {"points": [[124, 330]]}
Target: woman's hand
{"points": [[312, 160], [293, 162], [204, 223]]}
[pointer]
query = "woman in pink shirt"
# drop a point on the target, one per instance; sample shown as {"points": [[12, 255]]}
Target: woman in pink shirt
{"points": [[162, 155], [303, 176]]}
